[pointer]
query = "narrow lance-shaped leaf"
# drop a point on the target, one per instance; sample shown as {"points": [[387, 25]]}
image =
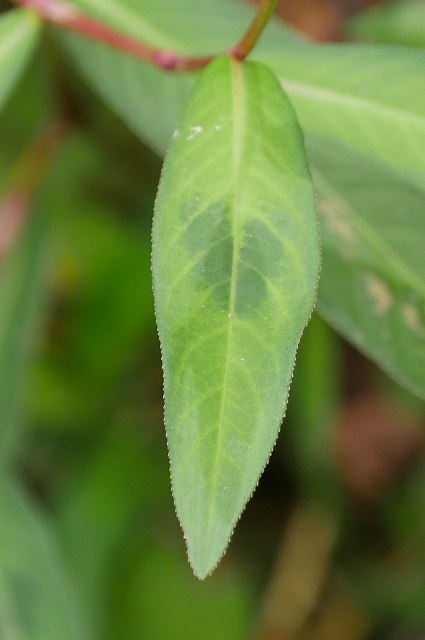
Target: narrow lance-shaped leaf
{"points": [[235, 265], [18, 32]]}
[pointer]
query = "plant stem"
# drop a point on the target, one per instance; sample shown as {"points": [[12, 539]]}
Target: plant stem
{"points": [[63, 14], [16, 204], [248, 41]]}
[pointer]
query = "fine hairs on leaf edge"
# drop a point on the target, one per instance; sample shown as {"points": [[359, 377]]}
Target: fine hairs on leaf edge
{"points": [[285, 400]]}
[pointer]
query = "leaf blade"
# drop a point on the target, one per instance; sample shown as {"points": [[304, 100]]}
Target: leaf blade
{"points": [[345, 96], [373, 279], [18, 35], [233, 292]]}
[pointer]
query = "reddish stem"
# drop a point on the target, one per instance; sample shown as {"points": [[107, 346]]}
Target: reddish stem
{"points": [[66, 15], [248, 41]]}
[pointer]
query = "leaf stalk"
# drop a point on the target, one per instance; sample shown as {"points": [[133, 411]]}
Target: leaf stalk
{"points": [[248, 41]]}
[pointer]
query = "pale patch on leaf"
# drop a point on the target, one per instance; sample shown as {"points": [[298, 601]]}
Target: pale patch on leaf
{"points": [[333, 214], [380, 293], [412, 319]]}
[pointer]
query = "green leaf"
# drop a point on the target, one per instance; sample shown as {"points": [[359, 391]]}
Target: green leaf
{"points": [[338, 91], [36, 600], [343, 93], [20, 294], [392, 22], [235, 265], [18, 34], [373, 273]]}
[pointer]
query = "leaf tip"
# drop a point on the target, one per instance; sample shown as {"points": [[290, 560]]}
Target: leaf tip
{"points": [[203, 560]]}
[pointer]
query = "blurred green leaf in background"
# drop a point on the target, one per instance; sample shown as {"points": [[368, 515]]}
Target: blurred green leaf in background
{"points": [[18, 35]]}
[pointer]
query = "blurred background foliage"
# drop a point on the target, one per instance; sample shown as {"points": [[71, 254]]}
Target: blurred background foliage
{"points": [[332, 545]]}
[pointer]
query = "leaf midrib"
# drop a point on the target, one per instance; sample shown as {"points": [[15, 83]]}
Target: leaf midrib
{"points": [[238, 126], [329, 95]]}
